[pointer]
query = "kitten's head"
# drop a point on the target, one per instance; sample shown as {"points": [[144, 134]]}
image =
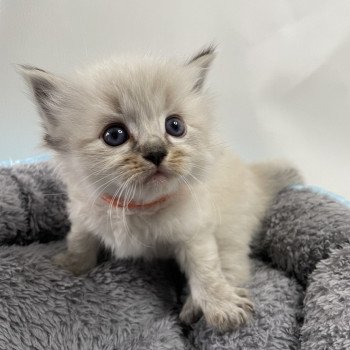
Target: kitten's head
{"points": [[129, 126]]}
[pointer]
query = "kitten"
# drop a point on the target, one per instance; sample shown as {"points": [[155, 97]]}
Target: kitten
{"points": [[148, 177]]}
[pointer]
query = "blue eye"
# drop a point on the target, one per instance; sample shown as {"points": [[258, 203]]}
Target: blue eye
{"points": [[175, 126], [115, 135]]}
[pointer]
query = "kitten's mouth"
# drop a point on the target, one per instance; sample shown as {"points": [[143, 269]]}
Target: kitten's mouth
{"points": [[160, 176]]}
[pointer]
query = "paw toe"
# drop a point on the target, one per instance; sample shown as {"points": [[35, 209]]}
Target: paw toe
{"points": [[190, 313]]}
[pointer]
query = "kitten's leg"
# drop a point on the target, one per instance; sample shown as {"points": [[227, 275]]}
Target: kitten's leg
{"points": [[222, 307], [236, 267], [81, 255]]}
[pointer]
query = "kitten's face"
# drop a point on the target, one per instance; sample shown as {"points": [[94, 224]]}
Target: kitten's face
{"points": [[134, 128]]}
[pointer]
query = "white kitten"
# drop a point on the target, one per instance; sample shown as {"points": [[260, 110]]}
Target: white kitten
{"points": [[148, 177]]}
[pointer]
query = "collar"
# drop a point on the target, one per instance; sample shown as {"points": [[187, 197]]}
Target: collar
{"points": [[119, 203]]}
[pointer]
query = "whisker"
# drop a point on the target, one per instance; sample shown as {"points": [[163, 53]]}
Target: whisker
{"points": [[116, 193], [126, 226], [55, 194], [98, 192]]}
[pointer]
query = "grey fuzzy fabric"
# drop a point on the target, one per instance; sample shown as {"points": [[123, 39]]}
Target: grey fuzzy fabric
{"points": [[32, 205], [301, 253], [301, 229], [327, 308], [276, 322]]}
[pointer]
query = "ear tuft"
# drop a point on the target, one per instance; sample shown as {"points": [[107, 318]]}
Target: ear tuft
{"points": [[50, 94], [202, 61], [46, 89], [27, 67], [209, 51]]}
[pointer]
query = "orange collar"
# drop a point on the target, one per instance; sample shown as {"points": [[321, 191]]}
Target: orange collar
{"points": [[119, 203]]}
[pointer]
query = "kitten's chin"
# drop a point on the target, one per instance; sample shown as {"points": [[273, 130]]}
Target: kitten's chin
{"points": [[158, 178], [160, 182]]}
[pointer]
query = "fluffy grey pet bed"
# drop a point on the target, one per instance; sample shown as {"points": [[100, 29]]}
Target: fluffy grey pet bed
{"points": [[300, 285]]}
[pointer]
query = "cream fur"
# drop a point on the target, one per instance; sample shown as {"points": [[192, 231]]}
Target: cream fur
{"points": [[216, 201]]}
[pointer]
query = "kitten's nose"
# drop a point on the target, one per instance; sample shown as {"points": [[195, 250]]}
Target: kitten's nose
{"points": [[156, 156]]}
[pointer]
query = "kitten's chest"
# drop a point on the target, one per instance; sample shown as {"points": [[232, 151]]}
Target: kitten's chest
{"points": [[137, 235], [147, 234]]}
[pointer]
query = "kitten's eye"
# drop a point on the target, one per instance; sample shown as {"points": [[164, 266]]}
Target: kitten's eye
{"points": [[175, 126], [115, 135]]}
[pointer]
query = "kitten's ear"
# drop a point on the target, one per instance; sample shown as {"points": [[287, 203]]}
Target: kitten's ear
{"points": [[49, 92], [51, 95], [201, 62]]}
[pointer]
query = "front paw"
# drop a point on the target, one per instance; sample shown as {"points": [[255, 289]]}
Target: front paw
{"points": [[75, 263], [225, 314], [190, 312], [228, 314]]}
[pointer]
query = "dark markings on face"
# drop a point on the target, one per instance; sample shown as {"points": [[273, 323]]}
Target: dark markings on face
{"points": [[55, 143]]}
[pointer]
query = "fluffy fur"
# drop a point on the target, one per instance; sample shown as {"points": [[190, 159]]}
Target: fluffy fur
{"points": [[215, 201]]}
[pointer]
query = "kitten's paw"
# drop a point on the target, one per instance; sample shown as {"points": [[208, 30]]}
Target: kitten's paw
{"points": [[224, 314], [190, 313], [229, 314], [75, 263]]}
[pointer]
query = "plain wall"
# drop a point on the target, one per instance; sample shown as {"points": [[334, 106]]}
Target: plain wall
{"points": [[281, 79]]}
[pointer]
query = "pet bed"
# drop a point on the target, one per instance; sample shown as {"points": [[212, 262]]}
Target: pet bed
{"points": [[300, 284]]}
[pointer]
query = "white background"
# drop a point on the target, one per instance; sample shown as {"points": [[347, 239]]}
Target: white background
{"points": [[281, 80]]}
